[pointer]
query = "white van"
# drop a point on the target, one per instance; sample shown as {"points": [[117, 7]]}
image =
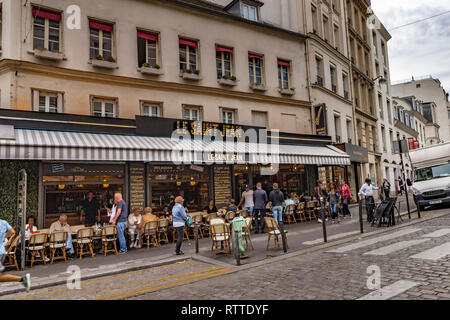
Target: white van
{"points": [[431, 175]]}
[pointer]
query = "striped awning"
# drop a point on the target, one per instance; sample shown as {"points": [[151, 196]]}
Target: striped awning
{"points": [[30, 144]]}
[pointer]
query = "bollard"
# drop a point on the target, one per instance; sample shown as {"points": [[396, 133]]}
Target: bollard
{"points": [[418, 210], [196, 238], [361, 223], [324, 220], [237, 251], [283, 236]]}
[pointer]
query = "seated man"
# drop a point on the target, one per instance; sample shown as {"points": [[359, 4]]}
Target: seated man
{"points": [[134, 221], [147, 217], [60, 226], [232, 206]]}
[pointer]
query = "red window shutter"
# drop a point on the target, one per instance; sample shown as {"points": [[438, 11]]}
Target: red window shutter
{"points": [[46, 14], [100, 26]]}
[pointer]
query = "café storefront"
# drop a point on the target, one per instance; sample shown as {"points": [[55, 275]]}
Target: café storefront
{"points": [[137, 158]]}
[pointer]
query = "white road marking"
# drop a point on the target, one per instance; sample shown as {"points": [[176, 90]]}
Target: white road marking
{"points": [[438, 233], [391, 291], [395, 247], [374, 240], [333, 237], [435, 253]]}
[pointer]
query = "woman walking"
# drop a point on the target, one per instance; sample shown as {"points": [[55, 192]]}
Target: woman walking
{"points": [[333, 200], [346, 196]]}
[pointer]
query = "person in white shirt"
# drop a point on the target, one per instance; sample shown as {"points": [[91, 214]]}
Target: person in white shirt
{"points": [[247, 199], [112, 212], [30, 228], [134, 220], [367, 191]]}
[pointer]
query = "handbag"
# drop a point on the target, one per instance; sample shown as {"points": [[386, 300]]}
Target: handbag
{"points": [[189, 221]]}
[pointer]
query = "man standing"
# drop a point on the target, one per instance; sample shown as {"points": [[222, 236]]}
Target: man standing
{"points": [[121, 219], [90, 211], [247, 199], [367, 191], [62, 226], [179, 221], [276, 199], [386, 188], [7, 231], [260, 200]]}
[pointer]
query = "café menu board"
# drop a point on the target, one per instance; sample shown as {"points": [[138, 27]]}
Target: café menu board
{"points": [[137, 186], [222, 185]]}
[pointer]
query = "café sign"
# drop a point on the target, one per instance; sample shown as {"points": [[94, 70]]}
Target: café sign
{"points": [[209, 129]]}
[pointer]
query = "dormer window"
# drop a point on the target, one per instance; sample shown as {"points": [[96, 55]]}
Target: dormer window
{"points": [[247, 9], [250, 12]]}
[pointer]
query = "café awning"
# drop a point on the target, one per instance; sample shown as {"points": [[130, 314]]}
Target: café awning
{"points": [[28, 144]]}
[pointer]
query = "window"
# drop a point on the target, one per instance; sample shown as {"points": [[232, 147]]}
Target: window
{"points": [[380, 104], [104, 108], [259, 119], [224, 60], [283, 74], [383, 52], [255, 69], [188, 55], [151, 109], [101, 44], [349, 130], [228, 116], [333, 78], [319, 68], [314, 19], [326, 31], [46, 30], [148, 51], [448, 113], [345, 84], [383, 138], [336, 37], [250, 12], [192, 113], [374, 45], [337, 127]]}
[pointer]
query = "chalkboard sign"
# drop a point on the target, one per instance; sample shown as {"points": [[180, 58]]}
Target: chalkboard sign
{"points": [[222, 185], [137, 186]]}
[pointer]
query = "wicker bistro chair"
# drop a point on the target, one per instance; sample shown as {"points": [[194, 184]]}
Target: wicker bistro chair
{"points": [[10, 256], [246, 232], [311, 210], [273, 232], [57, 241], [289, 214], [243, 213], [37, 243], [151, 233], [229, 216], [220, 234], [213, 221], [163, 230], [301, 212], [199, 220], [109, 235], [85, 240]]}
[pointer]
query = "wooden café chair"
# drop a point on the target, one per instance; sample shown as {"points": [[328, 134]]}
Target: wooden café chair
{"points": [[151, 233], [37, 244], [85, 240], [301, 212], [163, 230], [109, 235], [246, 232], [11, 249], [220, 235], [289, 214], [273, 232], [57, 241]]}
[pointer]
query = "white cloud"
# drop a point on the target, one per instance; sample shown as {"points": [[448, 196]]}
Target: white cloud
{"points": [[420, 49]]}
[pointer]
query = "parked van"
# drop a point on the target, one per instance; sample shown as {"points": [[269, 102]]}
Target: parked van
{"points": [[431, 184]]}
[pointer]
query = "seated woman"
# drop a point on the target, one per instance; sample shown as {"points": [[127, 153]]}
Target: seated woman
{"points": [[166, 213], [210, 208], [30, 228], [134, 220]]}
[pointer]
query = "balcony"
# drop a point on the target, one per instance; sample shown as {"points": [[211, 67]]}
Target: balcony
{"points": [[48, 55], [192, 76], [150, 70], [258, 87], [319, 81], [227, 82], [105, 64], [334, 88], [346, 95], [287, 91]]}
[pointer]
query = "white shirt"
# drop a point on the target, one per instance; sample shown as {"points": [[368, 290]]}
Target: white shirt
{"points": [[112, 214], [367, 190], [248, 196], [28, 233], [132, 219]]}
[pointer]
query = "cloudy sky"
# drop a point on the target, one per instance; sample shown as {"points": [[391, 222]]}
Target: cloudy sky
{"points": [[421, 49]]}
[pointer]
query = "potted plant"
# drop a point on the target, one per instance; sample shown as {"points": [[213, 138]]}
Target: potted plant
{"points": [[146, 65], [157, 66], [225, 76], [233, 78], [99, 57], [188, 71], [197, 72], [111, 59]]}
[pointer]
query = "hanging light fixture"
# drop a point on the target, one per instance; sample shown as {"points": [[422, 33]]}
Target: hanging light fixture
{"points": [[61, 186]]}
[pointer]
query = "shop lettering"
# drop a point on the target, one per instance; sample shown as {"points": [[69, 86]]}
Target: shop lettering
{"points": [[208, 129], [225, 157]]}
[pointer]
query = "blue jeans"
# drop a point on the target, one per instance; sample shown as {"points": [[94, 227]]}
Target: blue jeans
{"points": [[121, 235], [250, 210], [333, 208], [277, 213], [69, 244]]}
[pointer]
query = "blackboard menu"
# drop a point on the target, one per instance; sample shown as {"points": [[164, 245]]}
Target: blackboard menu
{"points": [[222, 185], [137, 186]]}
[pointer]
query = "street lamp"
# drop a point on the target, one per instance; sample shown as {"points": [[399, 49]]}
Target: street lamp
{"points": [[381, 79]]}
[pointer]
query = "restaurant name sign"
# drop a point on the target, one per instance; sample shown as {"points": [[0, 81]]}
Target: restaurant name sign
{"points": [[209, 129]]}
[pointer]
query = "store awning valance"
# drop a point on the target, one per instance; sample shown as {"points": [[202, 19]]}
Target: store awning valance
{"points": [[81, 146]]}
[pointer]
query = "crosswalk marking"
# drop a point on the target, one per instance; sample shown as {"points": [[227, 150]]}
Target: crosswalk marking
{"points": [[374, 240], [333, 237], [395, 247], [390, 291], [438, 233], [435, 253]]}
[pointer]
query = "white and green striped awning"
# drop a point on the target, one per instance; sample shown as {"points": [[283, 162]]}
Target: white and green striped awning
{"points": [[28, 144]]}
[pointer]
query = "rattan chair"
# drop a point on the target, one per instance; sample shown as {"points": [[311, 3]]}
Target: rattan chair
{"points": [[109, 235], [229, 216], [273, 232], [37, 244], [220, 235], [57, 241], [199, 220], [85, 239], [151, 233], [289, 214], [11, 249], [163, 230], [311, 210], [246, 232], [243, 213], [300, 212]]}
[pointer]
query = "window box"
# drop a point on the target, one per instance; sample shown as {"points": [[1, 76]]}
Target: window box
{"points": [[258, 87], [104, 64], [150, 70], [191, 76], [227, 82], [49, 55], [287, 92]]}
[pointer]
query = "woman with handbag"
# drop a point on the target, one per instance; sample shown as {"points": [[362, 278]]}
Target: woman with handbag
{"points": [[180, 220], [346, 196]]}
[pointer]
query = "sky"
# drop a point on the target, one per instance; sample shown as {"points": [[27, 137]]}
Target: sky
{"points": [[421, 49]]}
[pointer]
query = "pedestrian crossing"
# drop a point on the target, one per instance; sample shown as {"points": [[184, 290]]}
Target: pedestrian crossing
{"points": [[435, 253], [395, 247], [390, 291]]}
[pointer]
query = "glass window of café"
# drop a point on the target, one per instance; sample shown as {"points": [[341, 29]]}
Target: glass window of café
{"points": [[168, 181], [66, 187]]}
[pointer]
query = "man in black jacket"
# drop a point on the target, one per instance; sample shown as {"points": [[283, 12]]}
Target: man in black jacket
{"points": [[276, 199], [259, 212]]}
